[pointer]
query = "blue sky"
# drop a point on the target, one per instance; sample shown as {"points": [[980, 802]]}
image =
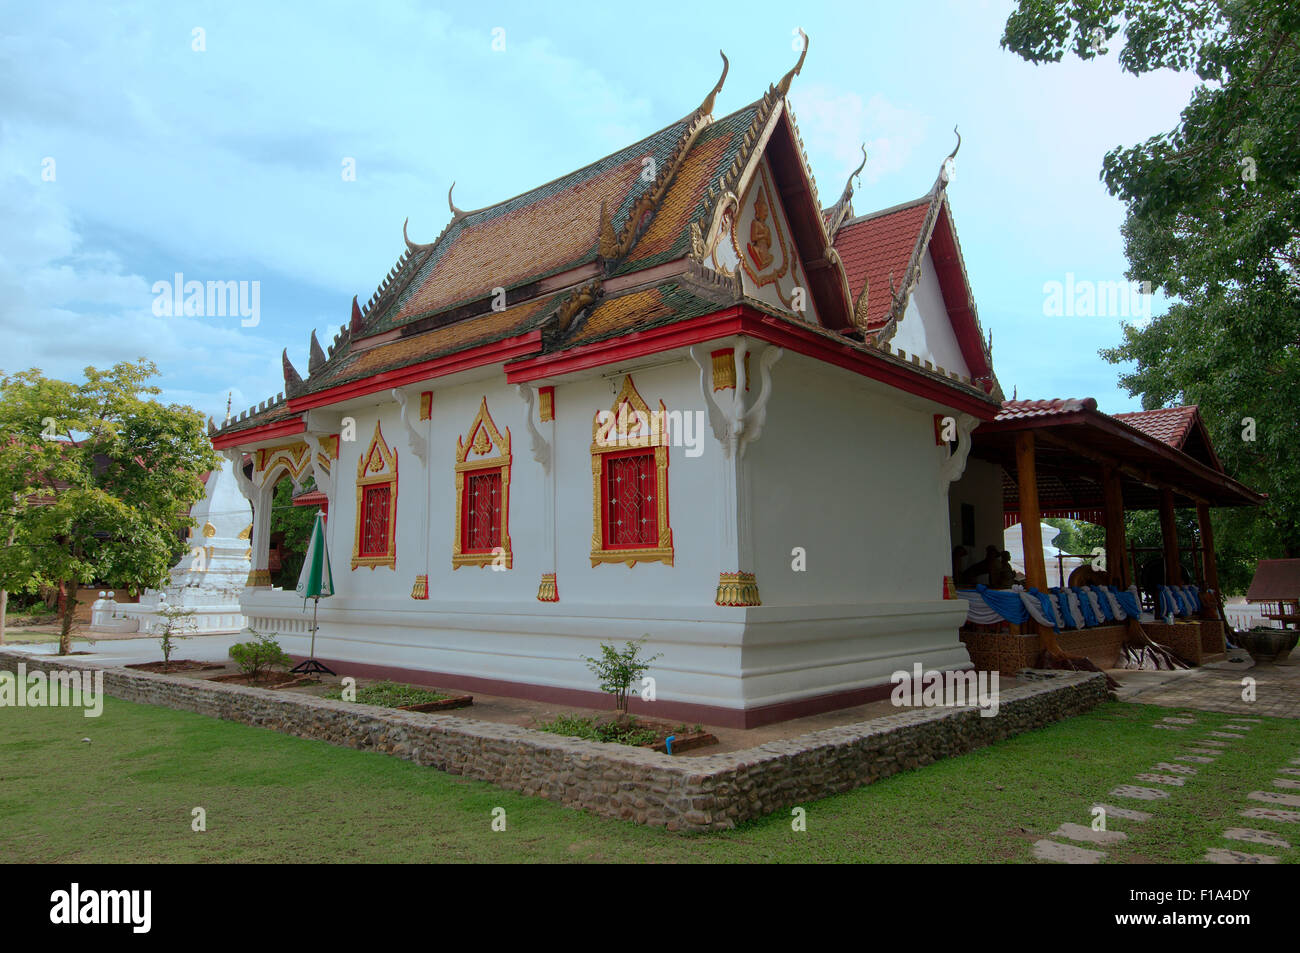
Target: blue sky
{"points": [[225, 164]]}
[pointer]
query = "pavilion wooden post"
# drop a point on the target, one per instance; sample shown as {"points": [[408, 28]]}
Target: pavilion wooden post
{"points": [[1116, 548], [1207, 546], [1030, 521], [1169, 537], [1030, 529]]}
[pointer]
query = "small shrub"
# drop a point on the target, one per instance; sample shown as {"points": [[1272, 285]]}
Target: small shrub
{"points": [[618, 670], [259, 656], [176, 623]]}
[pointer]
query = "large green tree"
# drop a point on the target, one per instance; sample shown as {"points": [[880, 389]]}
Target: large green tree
{"points": [[1213, 219], [97, 481]]}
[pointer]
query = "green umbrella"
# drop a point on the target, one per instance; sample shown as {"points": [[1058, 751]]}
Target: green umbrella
{"points": [[315, 582]]}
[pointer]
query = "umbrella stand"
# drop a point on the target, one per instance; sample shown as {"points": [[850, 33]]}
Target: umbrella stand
{"points": [[310, 665]]}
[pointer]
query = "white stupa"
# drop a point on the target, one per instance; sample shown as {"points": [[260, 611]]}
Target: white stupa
{"points": [[209, 577], [1013, 541]]}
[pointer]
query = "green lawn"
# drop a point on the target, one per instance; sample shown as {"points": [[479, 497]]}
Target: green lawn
{"points": [[128, 796]]}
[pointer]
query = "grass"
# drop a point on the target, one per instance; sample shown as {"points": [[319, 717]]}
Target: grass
{"points": [[391, 695], [128, 796]]}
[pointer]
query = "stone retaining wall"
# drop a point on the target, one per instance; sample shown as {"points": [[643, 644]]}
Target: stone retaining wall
{"points": [[711, 792]]}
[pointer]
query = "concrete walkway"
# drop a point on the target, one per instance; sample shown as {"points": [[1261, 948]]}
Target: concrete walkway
{"points": [[1237, 687], [114, 652]]}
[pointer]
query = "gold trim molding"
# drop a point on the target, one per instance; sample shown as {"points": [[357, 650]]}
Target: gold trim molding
{"points": [[421, 588], [259, 579], [548, 590]]}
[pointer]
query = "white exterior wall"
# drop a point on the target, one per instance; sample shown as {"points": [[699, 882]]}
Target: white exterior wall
{"points": [[926, 328], [846, 468], [980, 486]]}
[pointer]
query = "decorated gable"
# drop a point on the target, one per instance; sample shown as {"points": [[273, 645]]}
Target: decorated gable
{"points": [[756, 242]]}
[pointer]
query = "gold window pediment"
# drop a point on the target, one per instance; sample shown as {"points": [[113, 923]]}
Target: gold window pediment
{"points": [[483, 447], [630, 425], [377, 466]]}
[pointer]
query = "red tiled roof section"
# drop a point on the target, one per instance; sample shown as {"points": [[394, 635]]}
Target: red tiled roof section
{"points": [[875, 246], [1022, 409], [1170, 425], [541, 237]]}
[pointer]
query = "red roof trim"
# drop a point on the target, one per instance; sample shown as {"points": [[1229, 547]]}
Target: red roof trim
{"points": [[282, 428], [742, 319], [957, 297], [493, 353]]}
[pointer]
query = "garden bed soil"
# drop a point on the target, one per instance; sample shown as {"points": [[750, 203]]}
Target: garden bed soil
{"points": [[442, 704], [267, 679], [684, 739], [176, 665], [684, 742]]}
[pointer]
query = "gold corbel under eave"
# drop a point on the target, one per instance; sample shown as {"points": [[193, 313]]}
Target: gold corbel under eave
{"points": [[607, 440], [482, 438], [377, 465]]}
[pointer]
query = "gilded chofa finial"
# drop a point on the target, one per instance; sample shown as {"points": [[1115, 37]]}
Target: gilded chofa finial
{"points": [[456, 213], [848, 185], [706, 107], [411, 246], [949, 166], [784, 86]]}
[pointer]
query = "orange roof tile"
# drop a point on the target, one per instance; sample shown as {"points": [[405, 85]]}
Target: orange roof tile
{"points": [[874, 247]]}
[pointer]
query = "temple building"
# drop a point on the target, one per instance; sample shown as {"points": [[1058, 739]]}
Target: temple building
{"points": [[668, 395]]}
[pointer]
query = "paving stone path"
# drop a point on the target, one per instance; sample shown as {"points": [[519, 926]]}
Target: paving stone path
{"points": [[1162, 780], [1163, 772], [1217, 855], [1174, 774]]}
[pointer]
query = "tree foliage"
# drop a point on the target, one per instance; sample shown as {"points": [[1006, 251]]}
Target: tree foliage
{"points": [[97, 480], [1213, 219]]}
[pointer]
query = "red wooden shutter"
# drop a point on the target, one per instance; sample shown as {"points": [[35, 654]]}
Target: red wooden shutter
{"points": [[482, 518], [374, 535], [631, 510]]}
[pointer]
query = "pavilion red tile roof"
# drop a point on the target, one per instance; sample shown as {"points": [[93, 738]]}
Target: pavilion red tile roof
{"points": [[1172, 425], [1022, 409], [877, 246]]}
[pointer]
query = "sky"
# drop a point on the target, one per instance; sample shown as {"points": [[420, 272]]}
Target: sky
{"points": [[138, 141]]}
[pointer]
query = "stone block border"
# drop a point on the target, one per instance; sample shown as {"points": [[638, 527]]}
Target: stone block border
{"points": [[707, 793]]}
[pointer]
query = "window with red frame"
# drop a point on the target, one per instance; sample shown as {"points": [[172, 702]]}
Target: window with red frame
{"points": [[481, 521], [375, 514], [631, 514]]}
